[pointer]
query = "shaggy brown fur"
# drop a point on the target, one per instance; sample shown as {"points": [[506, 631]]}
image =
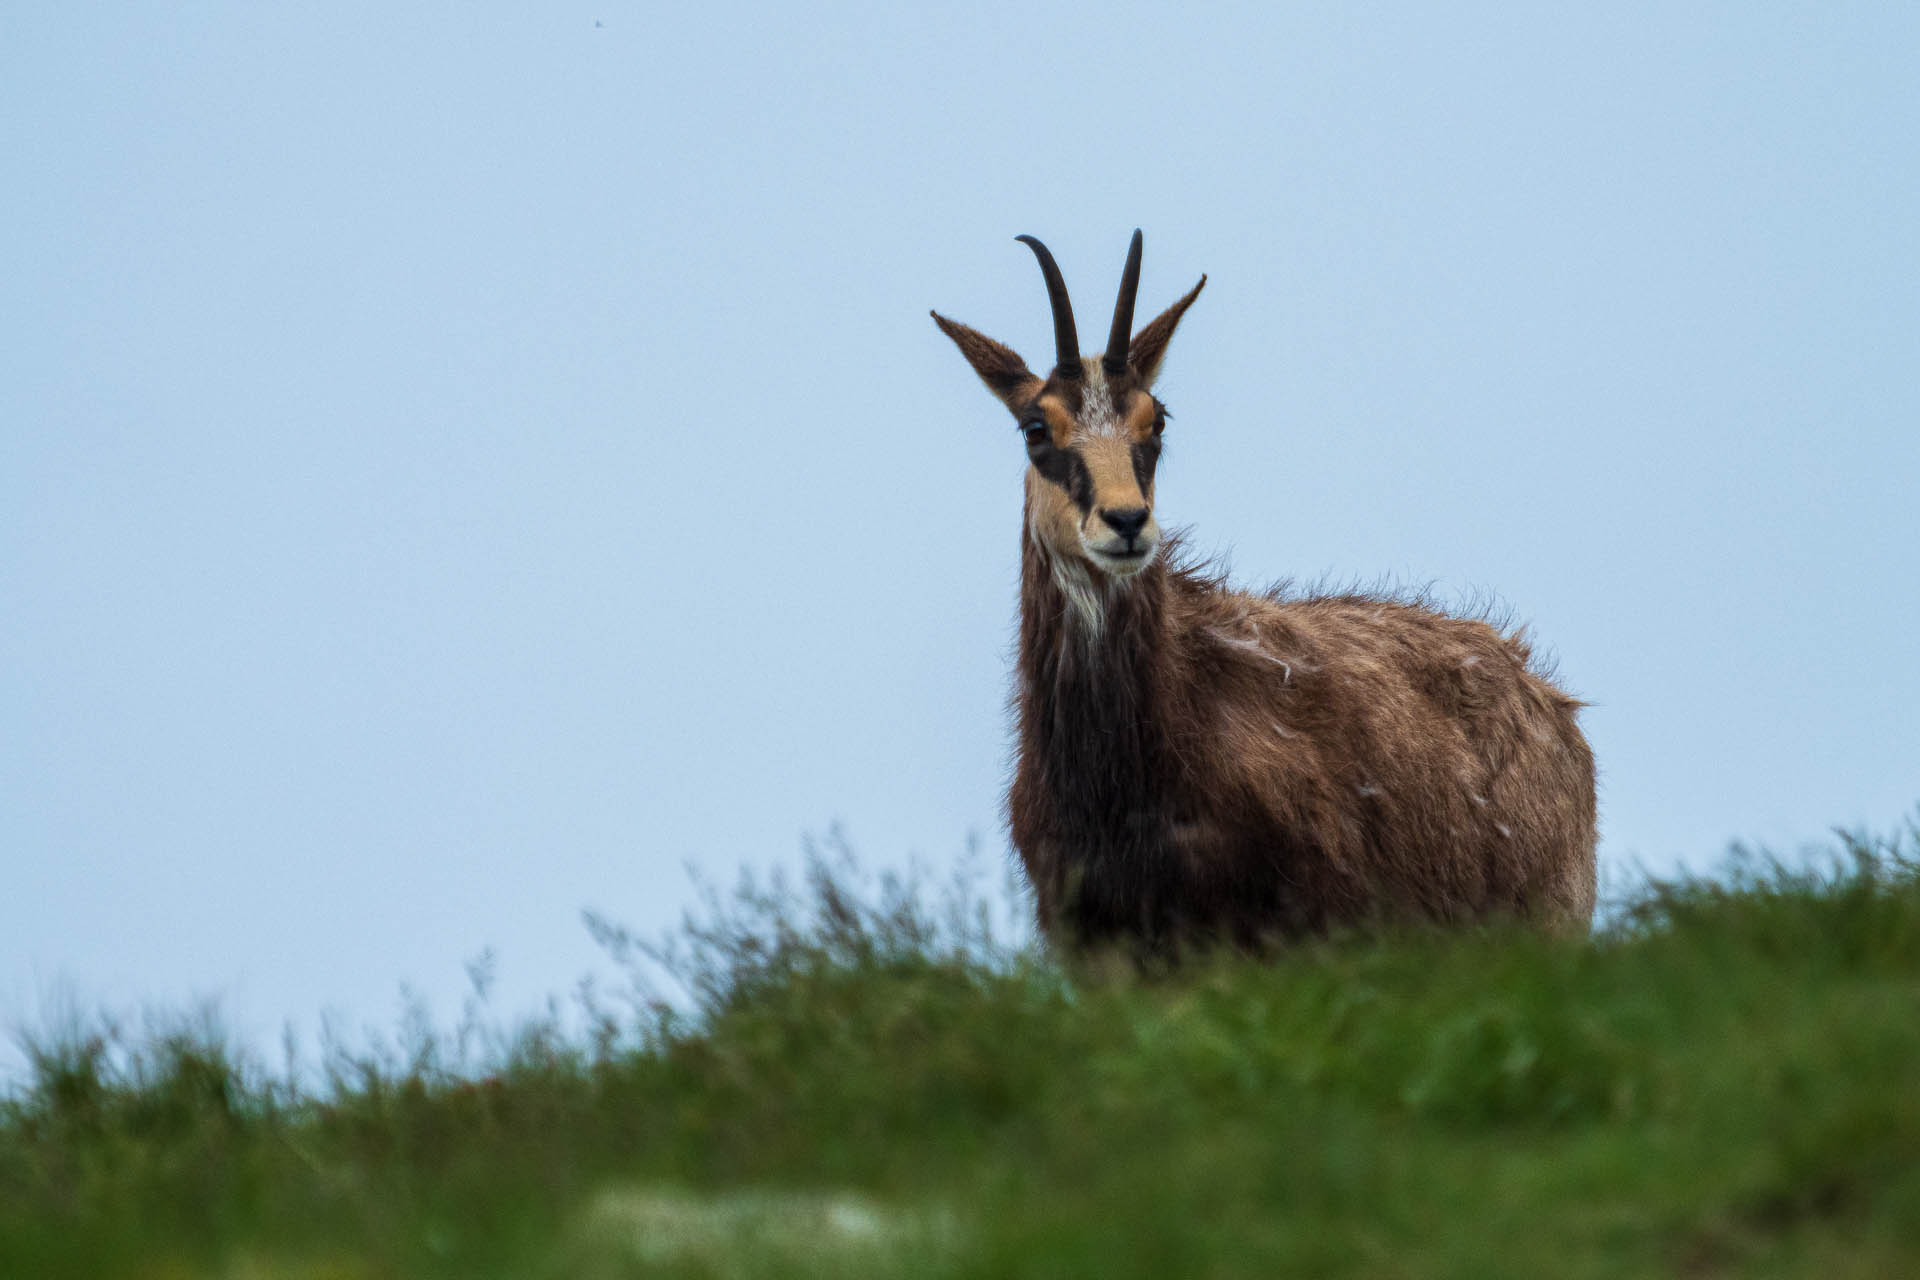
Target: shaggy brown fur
{"points": [[1201, 765]]}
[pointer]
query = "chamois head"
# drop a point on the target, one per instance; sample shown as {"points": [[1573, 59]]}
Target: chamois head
{"points": [[1092, 426]]}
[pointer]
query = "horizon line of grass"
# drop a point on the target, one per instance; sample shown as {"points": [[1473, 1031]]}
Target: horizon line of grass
{"points": [[1723, 1077]]}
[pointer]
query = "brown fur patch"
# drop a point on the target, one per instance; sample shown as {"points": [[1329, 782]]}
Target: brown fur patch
{"points": [[1224, 767], [1139, 414], [998, 365], [1059, 418]]}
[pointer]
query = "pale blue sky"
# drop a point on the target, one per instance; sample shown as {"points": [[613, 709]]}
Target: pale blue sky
{"points": [[459, 463]]}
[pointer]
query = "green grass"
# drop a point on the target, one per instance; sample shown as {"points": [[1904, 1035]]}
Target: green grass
{"points": [[1725, 1080]]}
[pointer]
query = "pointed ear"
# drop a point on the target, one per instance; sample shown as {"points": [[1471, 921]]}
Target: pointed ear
{"points": [[998, 365], [1149, 348]]}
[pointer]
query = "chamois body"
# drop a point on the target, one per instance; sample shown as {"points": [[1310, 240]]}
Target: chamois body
{"points": [[1202, 765], [1199, 765]]}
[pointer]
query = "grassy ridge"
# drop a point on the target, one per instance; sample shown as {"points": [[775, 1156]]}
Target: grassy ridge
{"points": [[1726, 1080]]}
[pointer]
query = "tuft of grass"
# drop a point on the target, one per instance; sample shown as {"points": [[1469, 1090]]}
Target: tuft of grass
{"points": [[863, 1073]]}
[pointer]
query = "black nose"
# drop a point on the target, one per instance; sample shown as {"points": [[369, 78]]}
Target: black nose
{"points": [[1125, 521]]}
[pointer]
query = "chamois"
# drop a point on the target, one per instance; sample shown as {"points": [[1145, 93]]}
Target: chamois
{"points": [[1202, 766]]}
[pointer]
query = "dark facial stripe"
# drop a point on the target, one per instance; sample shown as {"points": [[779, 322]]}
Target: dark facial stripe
{"points": [[1146, 456], [1066, 468]]}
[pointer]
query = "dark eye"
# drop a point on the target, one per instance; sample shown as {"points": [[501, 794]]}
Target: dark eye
{"points": [[1036, 434], [1160, 420]]}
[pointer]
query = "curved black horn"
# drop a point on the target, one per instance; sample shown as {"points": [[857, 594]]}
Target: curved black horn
{"points": [[1115, 361], [1065, 341]]}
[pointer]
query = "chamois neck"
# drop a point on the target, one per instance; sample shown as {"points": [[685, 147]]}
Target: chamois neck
{"points": [[1095, 768], [1075, 621], [1090, 696]]}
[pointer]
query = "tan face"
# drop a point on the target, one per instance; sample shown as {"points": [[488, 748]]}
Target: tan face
{"points": [[1092, 448], [1092, 427]]}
